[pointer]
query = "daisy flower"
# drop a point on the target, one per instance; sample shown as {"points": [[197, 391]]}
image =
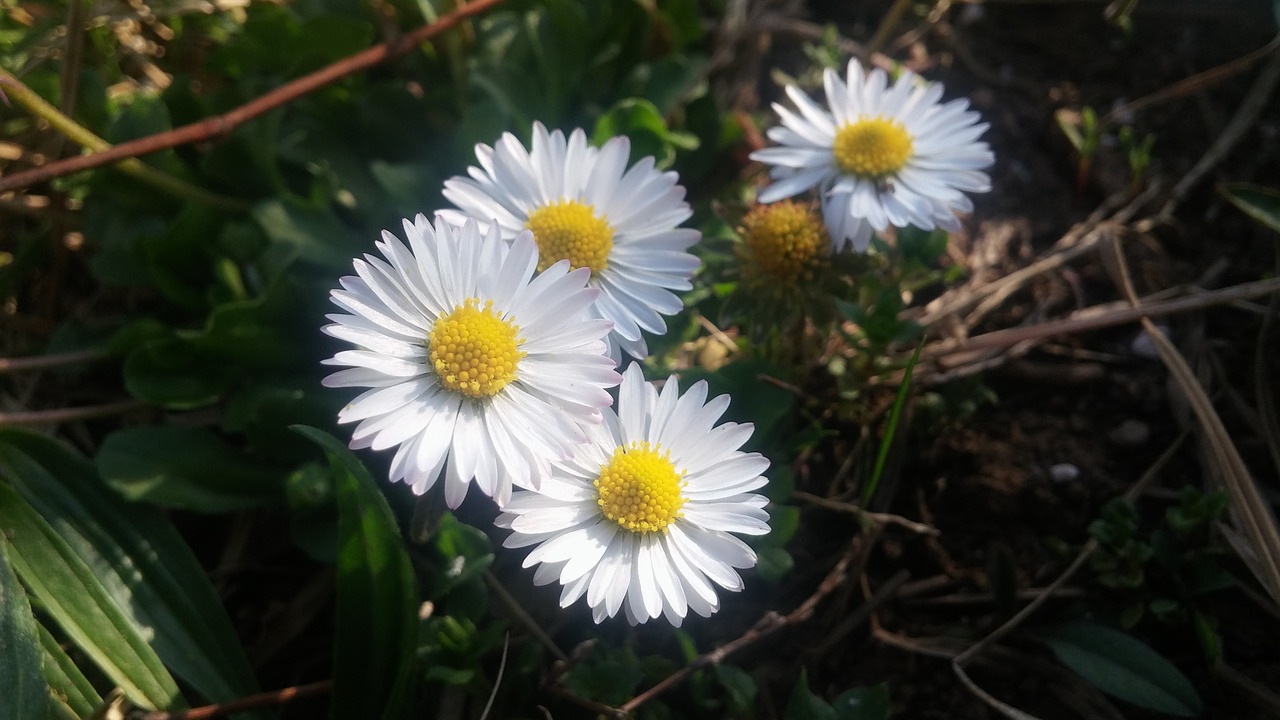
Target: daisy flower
{"points": [[583, 205], [475, 371], [880, 155], [640, 519]]}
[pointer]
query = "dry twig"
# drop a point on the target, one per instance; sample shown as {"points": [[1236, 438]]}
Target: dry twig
{"points": [[220, 125]]}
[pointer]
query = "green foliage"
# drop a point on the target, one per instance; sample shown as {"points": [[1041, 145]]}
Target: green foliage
{"points": [[1260, 203], [184, 467], [26, 695], [868, 703], [142, 579], [1166, 570], [377, 595], [1123, 667], [66, 587]]}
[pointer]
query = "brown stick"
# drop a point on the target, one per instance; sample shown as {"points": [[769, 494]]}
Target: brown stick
{"points": [[220, 125], [70, 414], [266, 699]]}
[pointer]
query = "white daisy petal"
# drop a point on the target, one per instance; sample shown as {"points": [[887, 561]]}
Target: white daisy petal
{"points": [[871, 136], [627, 527], [471, 402], [585, 205]]}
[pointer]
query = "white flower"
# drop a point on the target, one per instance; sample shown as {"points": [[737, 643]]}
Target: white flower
{"points": [[476, 371], [640, 518], [881, 155], [583, 205]]}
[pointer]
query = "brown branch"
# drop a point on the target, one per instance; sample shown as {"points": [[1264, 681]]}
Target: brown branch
{"points": [[63, 415], [44, 362], [221, 125], [266, 699], [768, 624]]}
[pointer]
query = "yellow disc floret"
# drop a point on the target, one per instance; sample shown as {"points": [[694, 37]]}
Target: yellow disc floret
{"points": [[640, 488], [785, 241], [474, 350], [570, 230], [872, 147]]}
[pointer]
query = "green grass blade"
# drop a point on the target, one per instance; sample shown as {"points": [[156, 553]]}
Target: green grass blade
{"points": [[140, 560], [891, 429], [73, 595], [71, 690], [25, 691], [377, 630]]}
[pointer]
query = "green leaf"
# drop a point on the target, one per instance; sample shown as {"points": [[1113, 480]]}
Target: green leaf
{"points": [[773, 563], [71, 692], [184, 467], [804, 705], [468, 553], [175, 373], [1258, 202], [75, 597], [1123, 667], [377, 629], [25, 691], [306, 231], [868, 703], [137, 556], [739, 685], [640, 121]]}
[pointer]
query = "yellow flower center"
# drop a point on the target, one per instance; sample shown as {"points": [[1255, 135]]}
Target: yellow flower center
{"points": [[872, 147], [785, 240], [474, 350], [569, 230], [640, 488]]}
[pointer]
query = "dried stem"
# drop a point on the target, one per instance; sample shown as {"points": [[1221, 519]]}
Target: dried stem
{"points": [[71, 414], [261, 700], [126, 163], [770, 623], [46, 362], [220, 125]]}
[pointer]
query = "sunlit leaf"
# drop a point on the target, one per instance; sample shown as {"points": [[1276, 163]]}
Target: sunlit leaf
{"points": [[1123, 667], [139, 560], [26, 696], [72, 694], [377, 628], [74, 596], [184, 467]]}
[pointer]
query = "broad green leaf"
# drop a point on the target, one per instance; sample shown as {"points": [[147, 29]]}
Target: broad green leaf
{"points": [[1258, 202], [377, 627], [804, 705], [25, 691], [184, 467], [639, 120], [139, 558], [309, 232], [71, 692], [739, 685], [868, 703], [774, 563], [468, 553], [175, 373], [1123, 667], [76, 599]]}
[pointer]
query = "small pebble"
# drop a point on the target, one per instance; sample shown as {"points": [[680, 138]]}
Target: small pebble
{"points": [[1130, 433], [1144, 347], [1064, 473]]}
